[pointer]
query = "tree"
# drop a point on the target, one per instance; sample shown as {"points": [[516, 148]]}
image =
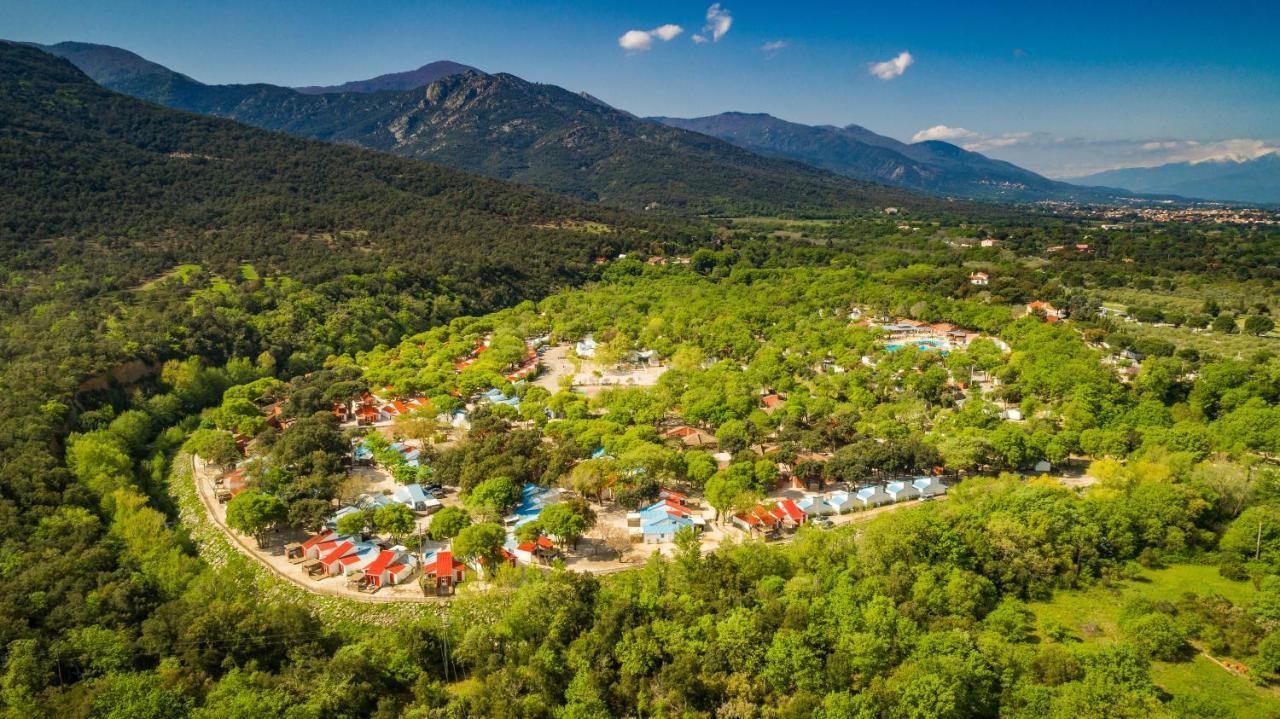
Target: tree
{"points": [[419, 425], [448, 522], [699, 467], [1269, 654], [479, 541], [1157, 634], [1254, 536], [529, 531], [560, 521], [1253, 324], [493, 496], [254, 511], [395, 519], [1224, 323], [215, 446], [354, 523], [310, 514], [725, 490]]}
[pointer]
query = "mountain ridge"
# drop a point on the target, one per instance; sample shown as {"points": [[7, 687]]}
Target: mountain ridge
{"points": [[396, 81], [1256, 180], [854, 151], [542, 135]]}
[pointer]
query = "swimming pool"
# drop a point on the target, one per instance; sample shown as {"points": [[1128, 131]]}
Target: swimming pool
{"points": [[920, 344]]}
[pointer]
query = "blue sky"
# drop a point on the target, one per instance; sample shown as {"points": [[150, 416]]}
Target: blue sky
{"points": [[1062, 88]]}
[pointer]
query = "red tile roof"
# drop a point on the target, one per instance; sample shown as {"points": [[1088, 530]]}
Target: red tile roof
{"points": [[791, 509], [315, 539], [381, 562], [337, 553]]}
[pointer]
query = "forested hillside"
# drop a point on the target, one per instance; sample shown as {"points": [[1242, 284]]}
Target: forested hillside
{"points": [[506, 127], [140, 189]]}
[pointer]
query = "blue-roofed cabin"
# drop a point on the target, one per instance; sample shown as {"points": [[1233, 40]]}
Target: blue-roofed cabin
{"points": [[872, 496], [665, 528], [929, 486], [901, 491], [533, 499], [415, 497], [841, 501], [815, 505]]}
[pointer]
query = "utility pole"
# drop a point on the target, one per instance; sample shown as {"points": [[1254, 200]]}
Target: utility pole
{"points": [[1257, 552]]}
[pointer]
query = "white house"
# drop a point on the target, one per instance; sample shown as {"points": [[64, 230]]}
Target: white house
{"points": [[815, 505], [841, 501], [979, 279], [872, 496], [929, 486], [900, 491]]}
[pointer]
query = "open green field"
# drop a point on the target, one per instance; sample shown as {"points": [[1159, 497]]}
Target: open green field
{"points": [[1207, 342], [1092, 615], [1190, 293], [182, 272]]}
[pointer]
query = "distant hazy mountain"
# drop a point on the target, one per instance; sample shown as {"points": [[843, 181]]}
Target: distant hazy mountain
{"points": [[408, 80], [507, 127], [936, 167], [1255, 180]]}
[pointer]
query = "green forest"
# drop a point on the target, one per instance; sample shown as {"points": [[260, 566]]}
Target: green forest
{"points": [[167, 277]]}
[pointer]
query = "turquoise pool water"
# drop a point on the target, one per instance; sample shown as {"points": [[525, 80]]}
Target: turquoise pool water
{"points": [[920, 344]]}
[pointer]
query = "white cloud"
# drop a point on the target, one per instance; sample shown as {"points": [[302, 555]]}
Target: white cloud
{"points": [[1234, 150], [641, 40], [1067, 157], [718, 23], [667, 32], [986, 144], [942, 132], [772, 47], [890, 69]]}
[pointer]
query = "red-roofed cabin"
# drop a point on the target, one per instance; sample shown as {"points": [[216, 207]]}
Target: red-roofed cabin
{"points": [[765, 516], [674, 496], [746, 522], [231, 484], [332, 561], [376, 572], [299, 552], [443, 572], [790, 512], [771, 403]]}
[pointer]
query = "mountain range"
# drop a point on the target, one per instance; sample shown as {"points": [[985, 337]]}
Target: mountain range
{"points": [[575, 144], [506, 127], [935, 167], [1256, 180]]}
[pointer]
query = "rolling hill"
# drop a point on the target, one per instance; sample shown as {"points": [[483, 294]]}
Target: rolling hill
{"points": [[1256, 180], [938, 168], [506, 127]]}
